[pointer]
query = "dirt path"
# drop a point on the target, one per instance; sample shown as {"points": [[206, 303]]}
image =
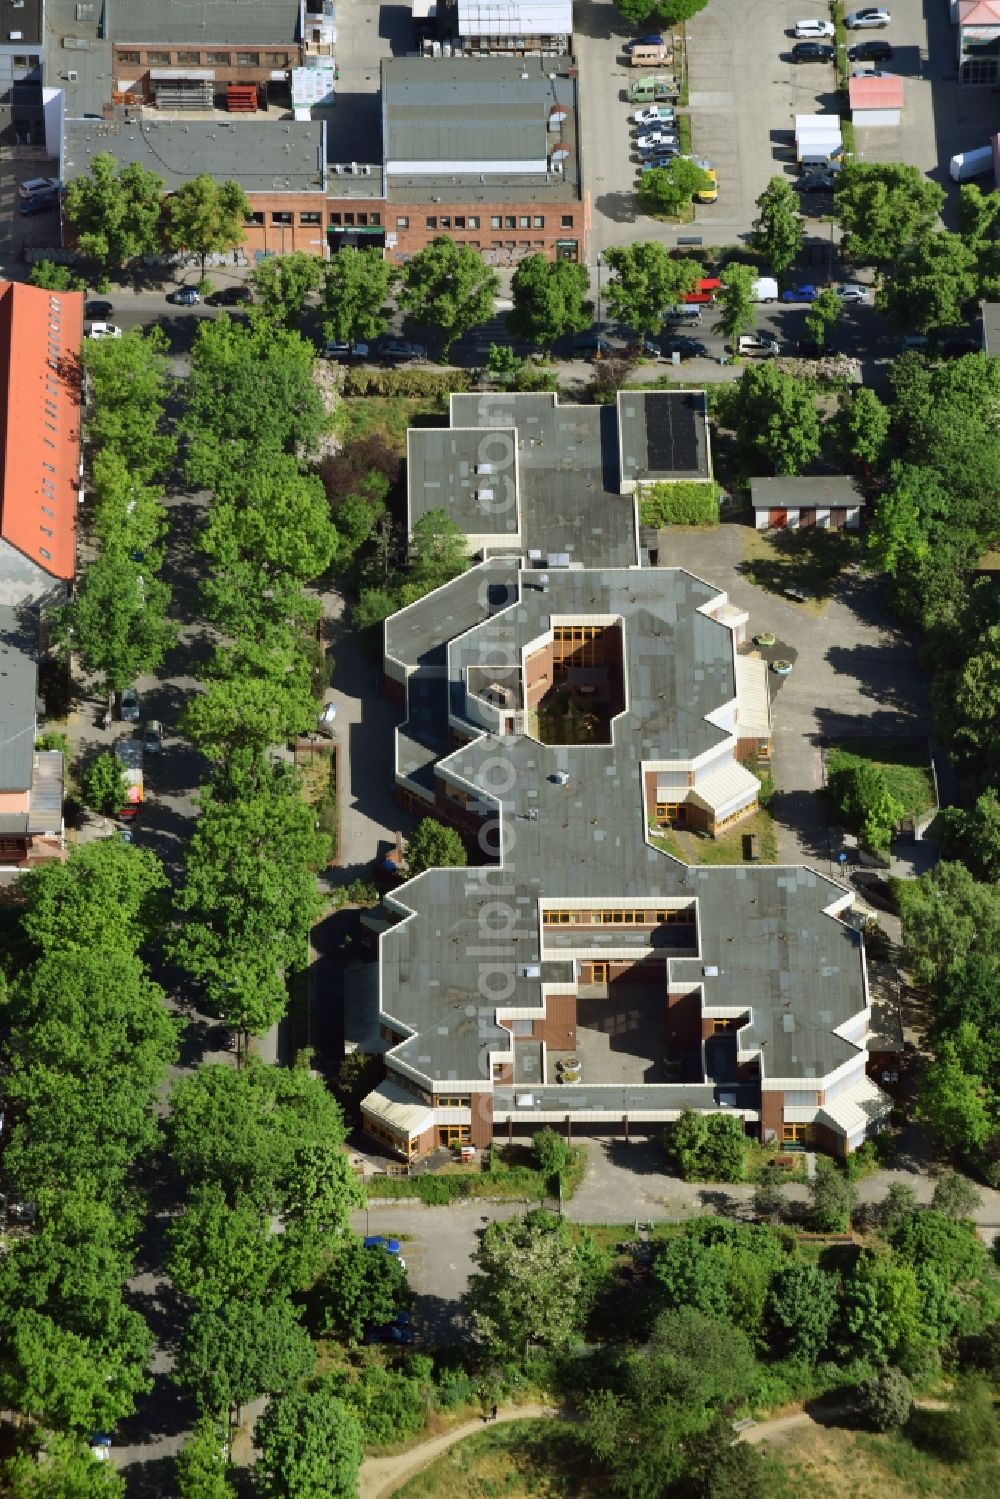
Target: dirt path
{"points": [[381, 1476], [773, 1431]]}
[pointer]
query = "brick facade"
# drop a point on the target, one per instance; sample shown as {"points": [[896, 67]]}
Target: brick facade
{"points": [[284, 222], [538, 228]]}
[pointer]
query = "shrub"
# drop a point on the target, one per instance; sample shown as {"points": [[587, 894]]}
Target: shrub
{"points": [[104, 786], [52, 739], [454, 1387], [832, 1197], [955, 1196], [693, 502], [769, 1199], [707, 1147], [362, 380], [885, 1399], [552, 1153]]}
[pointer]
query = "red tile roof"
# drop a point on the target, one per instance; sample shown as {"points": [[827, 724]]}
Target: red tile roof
{"points": [[876, 93], [40, 336]]}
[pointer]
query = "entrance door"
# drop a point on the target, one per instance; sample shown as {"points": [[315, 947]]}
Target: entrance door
{"points": [[796, 1134], [454, 1134], [598, 973]]}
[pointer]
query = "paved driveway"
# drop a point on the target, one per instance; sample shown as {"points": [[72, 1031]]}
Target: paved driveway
{"points": [[855, 675]]}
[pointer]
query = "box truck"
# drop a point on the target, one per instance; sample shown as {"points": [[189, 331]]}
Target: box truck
{"points": [[968, 164]]}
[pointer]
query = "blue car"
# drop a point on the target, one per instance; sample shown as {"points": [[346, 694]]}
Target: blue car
{"points": [[379, 1241], [800, 294], [397, 1331]]}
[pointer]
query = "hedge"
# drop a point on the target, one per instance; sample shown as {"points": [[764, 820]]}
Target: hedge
{"points": [[692, 502], [370, 381]]}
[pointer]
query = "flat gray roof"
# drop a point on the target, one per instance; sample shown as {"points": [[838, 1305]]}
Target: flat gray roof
{"points": [[24, 18], [201, 22], [276, 156], [18, 687], [443, 471], [567, 475], [418, 635], [663, 434], [494, 111], [822, 492]]}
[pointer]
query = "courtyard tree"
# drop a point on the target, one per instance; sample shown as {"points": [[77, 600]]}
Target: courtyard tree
{"points": [[775, 420], [205, 217], [311, 1445], [449, 288], [954, 1101], [646, 281], [104, 786], [883, 208], [528, 1285], [55, 277], [947, 914], [356, 1288], [115, 211], [778, 230], [258, 694], [706, 1147], [929, 283], [955, 1196], [666, 190], [736, 302], [550, 300], [282, 284], [433, 845], [356, 287], [908, 512], [832, 1198]]}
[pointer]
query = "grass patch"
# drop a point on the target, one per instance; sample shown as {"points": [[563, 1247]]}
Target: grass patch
{"points": [[827, 1462], [684, 133], [360, 417], [701, 848], [318, 769], [903, 762], [502, 1174], [760, 1156], [691, 502], [840, 45], [540, 1459], [809, 559]]}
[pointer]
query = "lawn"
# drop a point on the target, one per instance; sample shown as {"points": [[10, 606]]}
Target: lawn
{"points": [[519, 1460], [811, 559], [699, 848], [830, 1463], [384, 416], [903, 762]]}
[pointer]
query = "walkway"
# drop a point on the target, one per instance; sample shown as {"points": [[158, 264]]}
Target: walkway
{"points": [[381, 1476]]}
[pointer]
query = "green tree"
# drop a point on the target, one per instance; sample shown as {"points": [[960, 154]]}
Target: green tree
{"points": [[203, 1467], [258, 695], [861, 794], [973, 835], [218, 1252], [969, 1426], [955, 1196], [896, 1208], [778, 230], [770, 1200], [669, 189], [117, 620], [432, 845], [249, 894], [977, 213], [115, 211], [232, 1354], [87, 1050], [448, 287], [356, 287], [69, 1470], [885, 1399], [862, 428], [356, 1288], [929, 284], [104, 786], [204, 216], [552, 1153], [883, 208], [54, 277], [528, 1284], [282, 284], [954, 1101], [550, 300], [130, 384], [247, 1129], [71, 1383], [882, 1307], [802, 1306], [775, 420], [822, 314], [737, 305], [666, 12], [947, 914], [311, 1446], [906, 518], [831, 1198], [437, 551], [723, 1467], [646, 280], [976, 696]]}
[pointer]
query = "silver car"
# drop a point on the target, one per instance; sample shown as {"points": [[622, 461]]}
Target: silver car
{"points": [[872, 18]]}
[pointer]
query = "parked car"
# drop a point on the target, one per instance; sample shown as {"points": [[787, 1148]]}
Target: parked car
{"points": [[812, 52], [391, 1246], [593, 345], [397, 1331], [152, 739], [871, 18], [128, 708], [870, 73], [399, 350], [687, 348], [806, 293], [814, 28], [688, 313], [817, 182], [230, 296], [644, 348], [36, 185], [97, 309], [871, 51], [326, 721], [800, 595], [709, 194], [184, 296], [40, 203], [852, 291], [100, 1446], [649, 138], [760, 344], [343, 352], [643, 41], [103, 330], [653, 114], [659, 156]]}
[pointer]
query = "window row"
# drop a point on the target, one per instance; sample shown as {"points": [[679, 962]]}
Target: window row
{"points": [[398, 1142], [474, 221], [577, 633], [453, 1101], [157, 59], [355, 218], [685, 915]]}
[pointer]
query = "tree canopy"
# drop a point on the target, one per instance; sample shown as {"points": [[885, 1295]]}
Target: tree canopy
{"points": [[356, 287], [205, 216], [774, 417], [778, 229], [529, 1284], [550, 300], [115, 211], [883, 207], [311, 1446], [646, 280], [448, 287]]}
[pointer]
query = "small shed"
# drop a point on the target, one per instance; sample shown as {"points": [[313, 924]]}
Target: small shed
{"points": [[831, 503], [876, 100]]}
